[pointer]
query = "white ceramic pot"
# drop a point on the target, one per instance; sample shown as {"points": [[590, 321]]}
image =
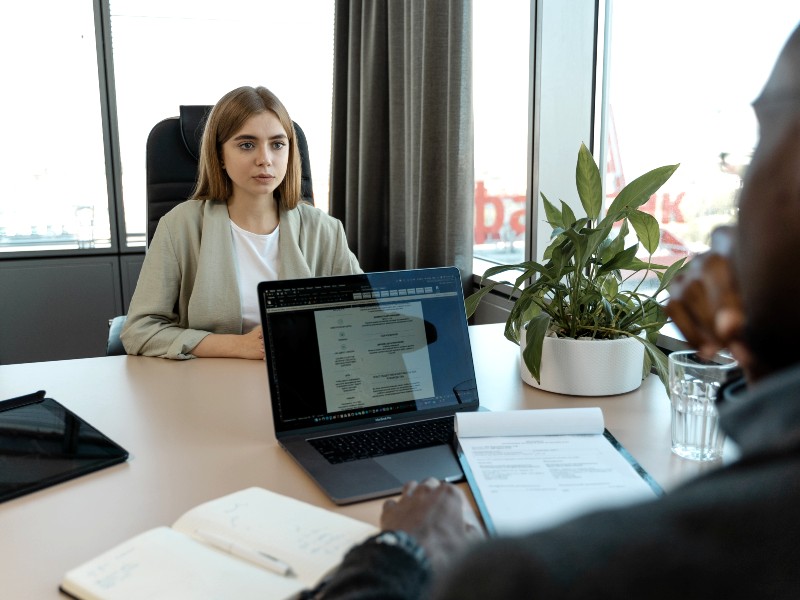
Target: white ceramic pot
{"points": [[587, 367]]}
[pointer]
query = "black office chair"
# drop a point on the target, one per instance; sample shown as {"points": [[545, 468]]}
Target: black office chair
{"points": [[172, 155]]}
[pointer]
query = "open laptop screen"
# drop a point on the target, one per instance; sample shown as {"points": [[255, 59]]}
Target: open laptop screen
{"points": [[366, 347]]}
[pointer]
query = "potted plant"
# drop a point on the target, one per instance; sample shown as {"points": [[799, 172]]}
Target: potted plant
{"points": [[590, 285]]}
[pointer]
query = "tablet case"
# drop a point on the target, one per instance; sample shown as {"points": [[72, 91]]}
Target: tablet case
{"points": [[43, 443]]}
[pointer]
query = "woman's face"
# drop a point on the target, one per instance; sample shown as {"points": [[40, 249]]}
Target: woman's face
{"points": [[256, 157]]}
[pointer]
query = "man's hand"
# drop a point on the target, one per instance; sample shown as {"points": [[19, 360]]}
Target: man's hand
{"points": [[439, 517], [705, 303]]}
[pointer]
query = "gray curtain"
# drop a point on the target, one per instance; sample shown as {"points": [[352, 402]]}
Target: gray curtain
{"points": [[402, 179]]}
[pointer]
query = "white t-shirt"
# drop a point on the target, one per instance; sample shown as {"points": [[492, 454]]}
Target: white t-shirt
{"points": [[256, 260]]}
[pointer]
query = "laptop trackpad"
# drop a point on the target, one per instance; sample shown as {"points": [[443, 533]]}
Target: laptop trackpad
{"points": [[438, 462]]}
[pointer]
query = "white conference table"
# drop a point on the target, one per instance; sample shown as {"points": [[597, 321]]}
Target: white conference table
{"points": [[202, 428]]}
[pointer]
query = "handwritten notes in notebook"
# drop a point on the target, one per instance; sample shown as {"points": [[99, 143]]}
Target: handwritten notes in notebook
{"points": [[259, 527]]}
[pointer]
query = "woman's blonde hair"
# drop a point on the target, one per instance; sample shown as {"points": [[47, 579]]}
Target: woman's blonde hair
{"points": [[227, 117]]}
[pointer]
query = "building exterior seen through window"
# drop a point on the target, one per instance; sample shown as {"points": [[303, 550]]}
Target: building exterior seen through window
{"points": [[52, 161]]}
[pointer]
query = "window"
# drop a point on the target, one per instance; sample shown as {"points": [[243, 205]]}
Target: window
{"points": [[53, 162], [678, 90], [642, 85], [189, 52], [500, 47], [522, 142]]}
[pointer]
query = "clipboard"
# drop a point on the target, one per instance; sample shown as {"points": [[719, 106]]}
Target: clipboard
{"points": [[43, 443], [514, 485]]}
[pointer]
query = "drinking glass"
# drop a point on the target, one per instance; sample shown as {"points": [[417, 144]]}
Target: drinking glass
{"points": [[694, 383]]}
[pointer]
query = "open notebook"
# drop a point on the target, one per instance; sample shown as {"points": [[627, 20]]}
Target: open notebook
{"points": [[250, 544]]}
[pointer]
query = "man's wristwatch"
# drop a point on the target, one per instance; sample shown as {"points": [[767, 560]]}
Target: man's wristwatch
{"points": [[402, 540]]}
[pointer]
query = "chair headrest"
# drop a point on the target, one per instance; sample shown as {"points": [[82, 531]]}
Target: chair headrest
{"points": [[193, 120]]}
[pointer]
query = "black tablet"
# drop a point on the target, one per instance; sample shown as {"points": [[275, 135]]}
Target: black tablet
{"points": [[42, 443]]}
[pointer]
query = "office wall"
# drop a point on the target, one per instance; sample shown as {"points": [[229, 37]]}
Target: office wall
{"points": [[58, 308]]}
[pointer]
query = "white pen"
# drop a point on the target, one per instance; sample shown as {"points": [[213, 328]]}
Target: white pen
{"points": [[253, 555]]}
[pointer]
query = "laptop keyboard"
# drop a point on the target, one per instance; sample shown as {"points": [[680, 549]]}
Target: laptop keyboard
{"points": [[385, 440]]}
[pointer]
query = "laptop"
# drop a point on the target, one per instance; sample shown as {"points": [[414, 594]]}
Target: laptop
{"points": [[356, 361]]}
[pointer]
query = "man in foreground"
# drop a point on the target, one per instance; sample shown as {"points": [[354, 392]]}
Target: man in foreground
{"points": [[731, 533]]}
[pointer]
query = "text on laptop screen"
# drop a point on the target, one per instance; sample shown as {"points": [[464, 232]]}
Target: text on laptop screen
{"points": [[366, 346]]}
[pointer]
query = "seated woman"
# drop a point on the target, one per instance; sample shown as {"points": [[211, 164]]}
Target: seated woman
{"points": [[245, 223]]}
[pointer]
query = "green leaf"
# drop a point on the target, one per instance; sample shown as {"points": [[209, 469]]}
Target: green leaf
{"points": [[666, 278], [610, 288], [580, 243], [560, 257], [611, 246], [607, 308], [659, 362], [552, 214], [569, 217], [587, 179], [646, 227], [492, 271], [596, 238], [641, 265], [621, 260], [637, 192], [471, 302], [534, 340], [531, 311]]}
